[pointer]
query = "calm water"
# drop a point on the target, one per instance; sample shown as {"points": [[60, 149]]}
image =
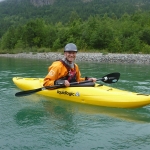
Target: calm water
{"points": [[40, 123]]}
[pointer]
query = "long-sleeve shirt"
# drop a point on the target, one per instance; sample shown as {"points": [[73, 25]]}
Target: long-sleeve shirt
{"points": [[57, 71]]}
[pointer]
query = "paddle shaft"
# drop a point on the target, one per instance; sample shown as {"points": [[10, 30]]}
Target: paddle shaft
{"points": [[29, 92], [110, 78]]}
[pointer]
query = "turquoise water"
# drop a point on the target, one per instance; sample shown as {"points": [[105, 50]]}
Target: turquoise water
{"points": [[39, 123]]}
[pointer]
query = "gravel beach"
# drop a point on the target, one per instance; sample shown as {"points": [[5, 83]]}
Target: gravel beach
{"points": [[94, 57]]}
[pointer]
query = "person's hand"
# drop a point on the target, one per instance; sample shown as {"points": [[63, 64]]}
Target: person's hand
{"points": [[67, 83], [62, 82], [93, 79]]}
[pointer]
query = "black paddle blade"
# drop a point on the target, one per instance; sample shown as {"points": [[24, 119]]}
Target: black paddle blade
{"points": [[111, 78], [26, 93]]}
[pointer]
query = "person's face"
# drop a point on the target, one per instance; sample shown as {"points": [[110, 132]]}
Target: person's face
{"points": [[70, 56]]}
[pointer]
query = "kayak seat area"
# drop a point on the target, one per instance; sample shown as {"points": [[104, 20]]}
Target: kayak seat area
{"points": [[89, 84]]}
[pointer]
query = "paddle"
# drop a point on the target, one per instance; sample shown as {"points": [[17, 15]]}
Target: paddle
{"points": [[110, 78]]}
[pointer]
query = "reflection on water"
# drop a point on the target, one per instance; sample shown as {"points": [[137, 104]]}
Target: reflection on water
{"points": [[63, 117], [29, 116], [63, 113], [65, 110]]}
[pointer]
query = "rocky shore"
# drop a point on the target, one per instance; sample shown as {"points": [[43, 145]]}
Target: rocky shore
{"points": [[93, 57]]}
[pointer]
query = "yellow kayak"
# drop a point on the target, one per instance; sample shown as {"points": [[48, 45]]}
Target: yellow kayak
{"points": [[97, 94]]}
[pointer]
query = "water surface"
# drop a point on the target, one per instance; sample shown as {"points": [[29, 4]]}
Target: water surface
{"points": [[39, 123]]}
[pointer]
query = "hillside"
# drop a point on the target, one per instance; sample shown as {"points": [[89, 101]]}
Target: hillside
{"points": [[42, 2], [18, 12], [51, 2], [114, 26]]}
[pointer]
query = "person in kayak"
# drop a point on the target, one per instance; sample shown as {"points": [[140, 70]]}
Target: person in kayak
{"points": [[65, 71]]}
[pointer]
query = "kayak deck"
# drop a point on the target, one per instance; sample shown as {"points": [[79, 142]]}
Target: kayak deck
{"points": [[99, 95]]}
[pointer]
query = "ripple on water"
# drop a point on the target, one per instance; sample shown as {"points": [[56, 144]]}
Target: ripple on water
{"points": [[37, 122]]}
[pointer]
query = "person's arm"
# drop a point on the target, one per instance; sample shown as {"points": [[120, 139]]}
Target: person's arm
{"points": [[50, 77], [55, 72]]}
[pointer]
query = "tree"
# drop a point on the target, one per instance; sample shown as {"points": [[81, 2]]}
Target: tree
{"points": [[9, 39], [34, 33], [145, 35]]}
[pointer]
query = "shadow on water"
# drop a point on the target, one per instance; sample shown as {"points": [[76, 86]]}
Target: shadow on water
{"points": [[29, 116]]}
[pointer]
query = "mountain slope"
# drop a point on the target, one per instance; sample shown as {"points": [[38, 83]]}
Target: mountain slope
{"points": [[15, 12]]}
